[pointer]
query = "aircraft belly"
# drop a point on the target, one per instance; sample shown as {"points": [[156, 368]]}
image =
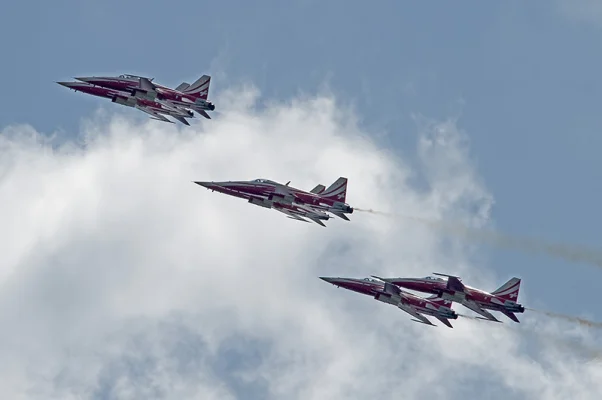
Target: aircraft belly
{"points": [[260, 202], [457, 297]]}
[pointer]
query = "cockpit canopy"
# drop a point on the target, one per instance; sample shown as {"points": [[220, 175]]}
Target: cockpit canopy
{"points": [[371, 280], [127, 76], [263, 181], [434, 278]]}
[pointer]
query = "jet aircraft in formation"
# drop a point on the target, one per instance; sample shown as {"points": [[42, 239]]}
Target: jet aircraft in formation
{"points": [[179, 103], [388, 293], [444, 292], [156, 100], [297, 204]]}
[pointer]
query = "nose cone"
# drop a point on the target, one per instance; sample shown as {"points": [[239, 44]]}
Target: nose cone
{"points": [[68, 84], [208, 185], [85, 79], [329, 280]]}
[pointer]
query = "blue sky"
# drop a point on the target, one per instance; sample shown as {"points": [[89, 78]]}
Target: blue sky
{"points": [[522, 78]]}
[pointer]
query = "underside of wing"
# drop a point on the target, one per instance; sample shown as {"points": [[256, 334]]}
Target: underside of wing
{"points": [[410, 310], [475, 307], [153, 113], [298, 215]]}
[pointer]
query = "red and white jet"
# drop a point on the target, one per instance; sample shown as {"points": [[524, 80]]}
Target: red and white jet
{"points": [[391, 294], [295, 203], [452, 288], [155, 109], [185, 95]]}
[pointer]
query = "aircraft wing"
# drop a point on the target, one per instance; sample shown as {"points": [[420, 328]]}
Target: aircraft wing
{"points": [[453, 283], [171, 107], [153, 114], [419, 317], [471, 305], [298, 215], [146, 85]]}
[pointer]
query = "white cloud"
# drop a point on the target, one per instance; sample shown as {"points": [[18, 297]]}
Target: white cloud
{"points": [[123, 279]]}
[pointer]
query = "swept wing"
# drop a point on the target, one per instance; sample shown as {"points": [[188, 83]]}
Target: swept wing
{"points": [[153, 114], [419, 317], [475, 307]]}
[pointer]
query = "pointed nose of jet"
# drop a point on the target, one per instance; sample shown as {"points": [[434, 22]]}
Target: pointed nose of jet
{"points": [[329, 280], [208, 185], [67, 84], [84, 79]]}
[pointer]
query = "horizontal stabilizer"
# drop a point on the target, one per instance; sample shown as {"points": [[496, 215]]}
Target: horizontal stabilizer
{"points": [[202, 112], [317, 221], [444, 321], [510, 315], [340, 215], [181, 119]]}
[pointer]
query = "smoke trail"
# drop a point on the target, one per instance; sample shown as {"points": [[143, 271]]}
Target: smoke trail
{"points": [[567, 252], [570, 318], [594, 354]]}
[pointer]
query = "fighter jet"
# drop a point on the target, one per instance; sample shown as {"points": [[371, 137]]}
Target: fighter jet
{"points": [[295, 203], [185, 95], [502, 299], [154, 109], [391, 294]]}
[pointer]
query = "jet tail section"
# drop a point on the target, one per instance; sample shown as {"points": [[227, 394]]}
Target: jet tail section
{"points": [[509, 290], [182, 86], [340, 215], [200, 88], [201, 112], [510, 315], [444, 321], [337, 191], [181, 119], [318, 189]]}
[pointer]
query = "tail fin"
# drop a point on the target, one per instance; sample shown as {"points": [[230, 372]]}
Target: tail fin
{"points": [[318, 189], [509, 290], [200, 87], [440, 301], [337, 191], [182, 86]]}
